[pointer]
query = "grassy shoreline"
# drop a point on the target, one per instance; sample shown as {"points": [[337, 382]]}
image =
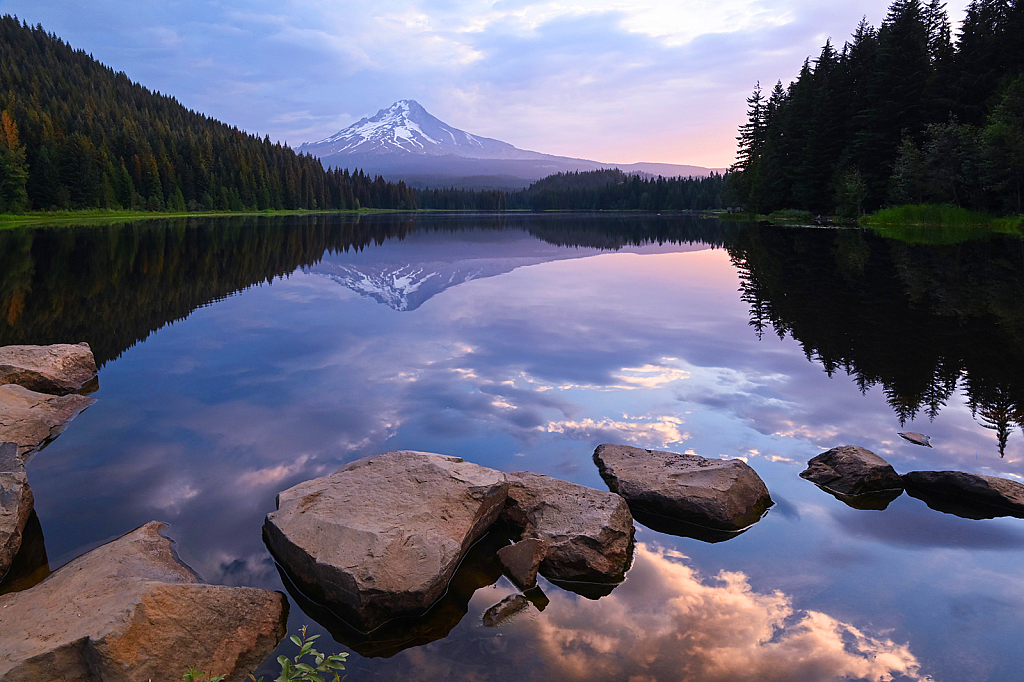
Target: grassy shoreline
{"points": [[47, 218]]}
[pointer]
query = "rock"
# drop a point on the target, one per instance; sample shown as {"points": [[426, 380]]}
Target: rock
{"points": [[916, 438], [129, 611], [587, 534], [58, 369], [505, 610], [852, 470], [30, 565], [722, 495], [383, 535], [971, 496], [479, 569], [33, 419], [15, 504], [521, 561]]}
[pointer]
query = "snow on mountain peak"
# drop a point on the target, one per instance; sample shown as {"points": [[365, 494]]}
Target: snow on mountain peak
{"points": [[407, 128]]}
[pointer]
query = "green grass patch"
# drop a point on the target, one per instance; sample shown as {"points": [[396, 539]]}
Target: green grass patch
{"points": [[92, 216], [938, 224], [790, 215]]}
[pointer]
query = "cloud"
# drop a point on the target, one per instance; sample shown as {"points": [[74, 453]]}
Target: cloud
{"points": [[667, 622]]}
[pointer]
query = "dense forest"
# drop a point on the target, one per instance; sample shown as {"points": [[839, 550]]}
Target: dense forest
{"points": [[74, 134], [905, 113], [598, 190]]}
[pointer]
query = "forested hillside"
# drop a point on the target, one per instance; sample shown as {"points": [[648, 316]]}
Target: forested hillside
{"points": [[598, 190], [74, 134], [910, 112]]}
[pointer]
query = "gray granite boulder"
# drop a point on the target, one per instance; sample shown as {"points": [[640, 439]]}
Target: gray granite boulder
{"points": [[723, 495], [521, 561], [33, 420], [58, 369], [856, 476], [967, 495], [382, 536], [130, 611], [587, 534], [15, 504]]}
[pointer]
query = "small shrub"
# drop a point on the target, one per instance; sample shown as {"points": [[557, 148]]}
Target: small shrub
{"points": [[294, 670], [193, 675]]}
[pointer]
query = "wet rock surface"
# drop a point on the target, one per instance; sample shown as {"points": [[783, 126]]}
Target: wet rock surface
{"points": [[383, 536], [16, 504], [856, 476], [129, 611], [971, 496], [505, 610], [721, 495], [587, 534], [33, 419], [58, 369]]}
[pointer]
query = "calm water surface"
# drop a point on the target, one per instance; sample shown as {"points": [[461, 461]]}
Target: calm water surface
{"points": [[242, 357]]}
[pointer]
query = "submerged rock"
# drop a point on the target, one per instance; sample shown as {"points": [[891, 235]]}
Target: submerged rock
{"points": [[856, 476], [916, 438], [129, 611], [58, 369], [970, 496], [505, 610], [33, 420], [721, 495], [15, 504], [586, 534], [382, 536]]}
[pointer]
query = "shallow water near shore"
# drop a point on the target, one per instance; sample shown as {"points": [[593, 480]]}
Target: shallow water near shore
{"points": [[242, 356]]}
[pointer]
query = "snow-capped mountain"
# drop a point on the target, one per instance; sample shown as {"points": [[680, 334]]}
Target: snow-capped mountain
{"points": [[407, 128], [405, 142]]}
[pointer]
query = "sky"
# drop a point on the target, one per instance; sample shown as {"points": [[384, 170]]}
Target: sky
{"points": [[620, 81]]}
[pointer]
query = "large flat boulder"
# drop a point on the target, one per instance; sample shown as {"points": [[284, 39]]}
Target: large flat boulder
{"points": [[58, 369], [382, 536], [130, 611], [856, 476], [587, 534], [15, 504], [967, 495], [723, 495], [33, 420]]}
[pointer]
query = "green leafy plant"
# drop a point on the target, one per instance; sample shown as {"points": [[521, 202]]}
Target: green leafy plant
{"points": [[193, 675], [294, 670]]}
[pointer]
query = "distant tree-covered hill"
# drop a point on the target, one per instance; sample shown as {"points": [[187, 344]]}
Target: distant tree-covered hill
{"points": [[74, 134], [900, 114], [598, 190]]}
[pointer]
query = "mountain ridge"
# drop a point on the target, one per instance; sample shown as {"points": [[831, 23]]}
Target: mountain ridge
{"points": [[405, 140]]}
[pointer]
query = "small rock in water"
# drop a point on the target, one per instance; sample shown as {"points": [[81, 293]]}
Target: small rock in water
{"points": [[855, 476], [916, 438], [505, 610], [522, 560], [970, 496]]}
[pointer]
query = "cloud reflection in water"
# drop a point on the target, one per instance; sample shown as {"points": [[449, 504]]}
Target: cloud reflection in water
{"points": [[667, 622]]}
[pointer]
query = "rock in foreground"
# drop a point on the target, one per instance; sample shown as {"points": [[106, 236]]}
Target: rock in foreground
{"points": [[382, 536], [855, 475], [971, 496], [33, 419], [717, 494], [15, 504], [129, 611], [587, 534], [58, 369]]}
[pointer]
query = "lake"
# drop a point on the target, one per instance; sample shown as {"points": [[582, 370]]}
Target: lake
{"points": [[240, 356]]}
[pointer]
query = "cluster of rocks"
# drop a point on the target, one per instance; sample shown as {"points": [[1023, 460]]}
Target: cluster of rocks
{"points": [[130, 611], [863, 480], [383, 536], [40, 393], [126, 611]]}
